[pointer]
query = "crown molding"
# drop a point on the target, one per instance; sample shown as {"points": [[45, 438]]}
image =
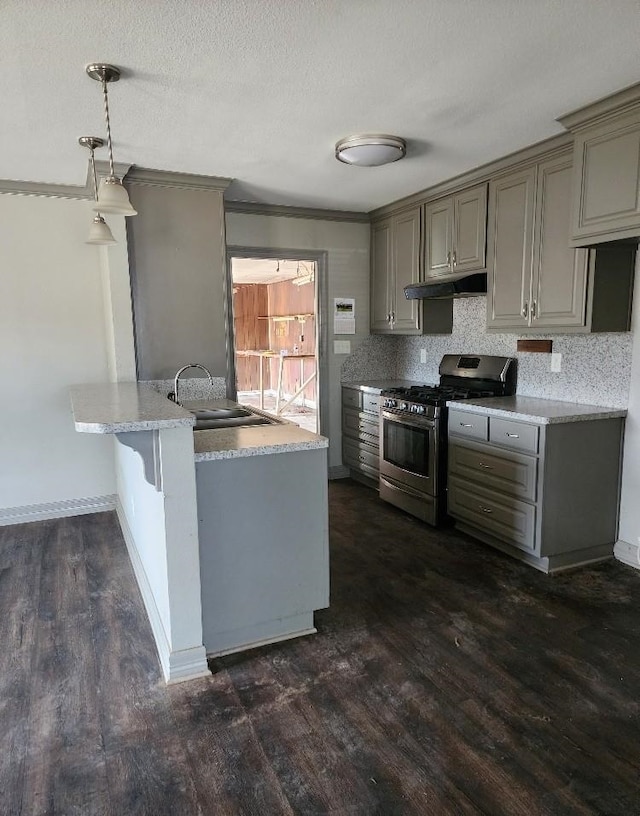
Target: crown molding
{"points": [[512, 161], [625, 101], [317, 214], [183, 181], [75, 192]]}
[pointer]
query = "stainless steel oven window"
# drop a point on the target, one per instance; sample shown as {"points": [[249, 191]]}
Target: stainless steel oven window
{"points": [[407, 446]]}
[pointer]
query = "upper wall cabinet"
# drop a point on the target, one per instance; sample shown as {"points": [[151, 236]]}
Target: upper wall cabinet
{"points": [[606, 184], [456, 233], [395, 263], [536, 281]]}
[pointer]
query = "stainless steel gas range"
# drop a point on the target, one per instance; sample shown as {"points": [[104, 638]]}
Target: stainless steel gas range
{"points": [[413, 430]]}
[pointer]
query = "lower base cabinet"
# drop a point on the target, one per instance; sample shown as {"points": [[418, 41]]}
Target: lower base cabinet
{"points": [[360, 434], [547, 494]]}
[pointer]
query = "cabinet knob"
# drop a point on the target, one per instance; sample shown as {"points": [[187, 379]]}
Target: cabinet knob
{"points": [[513, 436], [466, 425], [453, 258], [525, 310], [485, 509], [485, 467], [449, 260], [534, 309]]}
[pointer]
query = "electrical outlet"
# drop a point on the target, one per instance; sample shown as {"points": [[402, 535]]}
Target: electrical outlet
{"points": [[423, 355], [556, 362]]}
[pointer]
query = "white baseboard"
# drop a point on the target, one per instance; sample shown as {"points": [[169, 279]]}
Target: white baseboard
{"points": [[176, 666], [627, 553], [59, 509]]}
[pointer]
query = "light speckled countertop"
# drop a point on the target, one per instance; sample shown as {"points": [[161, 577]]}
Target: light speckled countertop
{"points": [[108, 408], [254, 440], [534, 409]]}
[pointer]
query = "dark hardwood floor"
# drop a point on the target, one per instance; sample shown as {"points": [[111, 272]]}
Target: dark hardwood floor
{"points": [[445, 678]]}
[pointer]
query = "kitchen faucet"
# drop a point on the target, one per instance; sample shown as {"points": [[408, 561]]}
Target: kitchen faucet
{"points": [[173, 395]]}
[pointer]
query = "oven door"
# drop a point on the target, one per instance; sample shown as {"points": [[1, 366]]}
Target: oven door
{"points": [[409, 451]]}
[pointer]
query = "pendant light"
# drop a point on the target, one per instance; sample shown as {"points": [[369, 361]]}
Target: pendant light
{"points": [[112, 196], [99, 233]]}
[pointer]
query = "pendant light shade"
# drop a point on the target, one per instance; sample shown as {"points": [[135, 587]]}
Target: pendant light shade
{"points": [[370, 151], [113, 198], [99, 233]]}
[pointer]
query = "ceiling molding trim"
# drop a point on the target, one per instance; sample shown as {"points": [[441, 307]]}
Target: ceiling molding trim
{"points": [[625, 101], [182, 181], [317, 214], [37, 188], [512, 161], [75, 192]]}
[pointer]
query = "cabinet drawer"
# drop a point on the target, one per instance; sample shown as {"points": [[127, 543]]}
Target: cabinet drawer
{"points": [[360, 456], [513, 474], [351, 397], [473, 426], [506, 518], [371, 403], [360, 426], [512, 434]]}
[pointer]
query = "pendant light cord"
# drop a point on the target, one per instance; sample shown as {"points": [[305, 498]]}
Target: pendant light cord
{"points": [[95, 177], [106, 117]]}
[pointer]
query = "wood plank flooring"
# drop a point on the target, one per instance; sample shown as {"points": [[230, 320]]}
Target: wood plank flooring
{"points": [[445, 678]]}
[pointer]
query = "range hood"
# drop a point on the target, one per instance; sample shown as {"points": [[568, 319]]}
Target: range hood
{"points": [[459, 287]]}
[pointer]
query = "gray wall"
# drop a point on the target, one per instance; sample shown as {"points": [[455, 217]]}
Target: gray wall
{"points": [[176, 254]]}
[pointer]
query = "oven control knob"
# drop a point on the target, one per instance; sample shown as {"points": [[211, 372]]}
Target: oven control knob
{"points": [[403, 406], [419, 409]]}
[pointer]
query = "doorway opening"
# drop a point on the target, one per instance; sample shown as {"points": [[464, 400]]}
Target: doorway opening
{"points": [[275, 339]]}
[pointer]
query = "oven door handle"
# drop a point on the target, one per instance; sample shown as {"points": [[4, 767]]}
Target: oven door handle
{"points": [[407, 419], [409, 491]]}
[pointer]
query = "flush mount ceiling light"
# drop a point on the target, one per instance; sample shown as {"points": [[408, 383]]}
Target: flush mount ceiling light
{"points": [[370, 150], [112, 197], [99, 232]]}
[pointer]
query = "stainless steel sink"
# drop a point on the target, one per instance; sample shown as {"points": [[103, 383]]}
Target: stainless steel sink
{"points": [[220, 413], [213, 423]]}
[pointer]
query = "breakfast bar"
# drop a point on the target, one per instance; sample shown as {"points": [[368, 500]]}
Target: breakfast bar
{"points": [[226, 528]]}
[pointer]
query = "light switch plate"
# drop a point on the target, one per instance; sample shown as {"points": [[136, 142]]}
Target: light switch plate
{"points": [[556, 362], [342, 346], [423, 355]]}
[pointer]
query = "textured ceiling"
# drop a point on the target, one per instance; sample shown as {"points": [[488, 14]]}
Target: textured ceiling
{"points": [[260, 90]]}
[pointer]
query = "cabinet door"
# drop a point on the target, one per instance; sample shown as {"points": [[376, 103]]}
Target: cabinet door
{"points": [[510, 249], [606, 201], [560, 273], [470, 230], [380, 274], [439, 233], [406, 314]]}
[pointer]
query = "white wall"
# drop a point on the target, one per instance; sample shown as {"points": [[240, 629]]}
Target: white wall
{"points": [[52, 335], [347, 245]]}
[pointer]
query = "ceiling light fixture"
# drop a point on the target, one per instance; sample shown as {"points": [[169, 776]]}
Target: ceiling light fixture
{"points": [[370, 150], [99, 232], [112, 197]]}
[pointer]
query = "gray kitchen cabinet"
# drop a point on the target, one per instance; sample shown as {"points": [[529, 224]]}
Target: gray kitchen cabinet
{"points": [[536, 281], [545, 493], [361, 433], [606, 189], [455, 233], [395, 263]]}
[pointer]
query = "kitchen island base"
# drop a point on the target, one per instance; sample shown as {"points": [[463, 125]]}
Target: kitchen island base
{"points": [[264, 551]]}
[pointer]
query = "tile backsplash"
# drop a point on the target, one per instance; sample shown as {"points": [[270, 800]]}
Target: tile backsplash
{"points": [[596, 368]]}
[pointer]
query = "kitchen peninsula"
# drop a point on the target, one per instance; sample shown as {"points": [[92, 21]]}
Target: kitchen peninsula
{"points": [[228, 537]]}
